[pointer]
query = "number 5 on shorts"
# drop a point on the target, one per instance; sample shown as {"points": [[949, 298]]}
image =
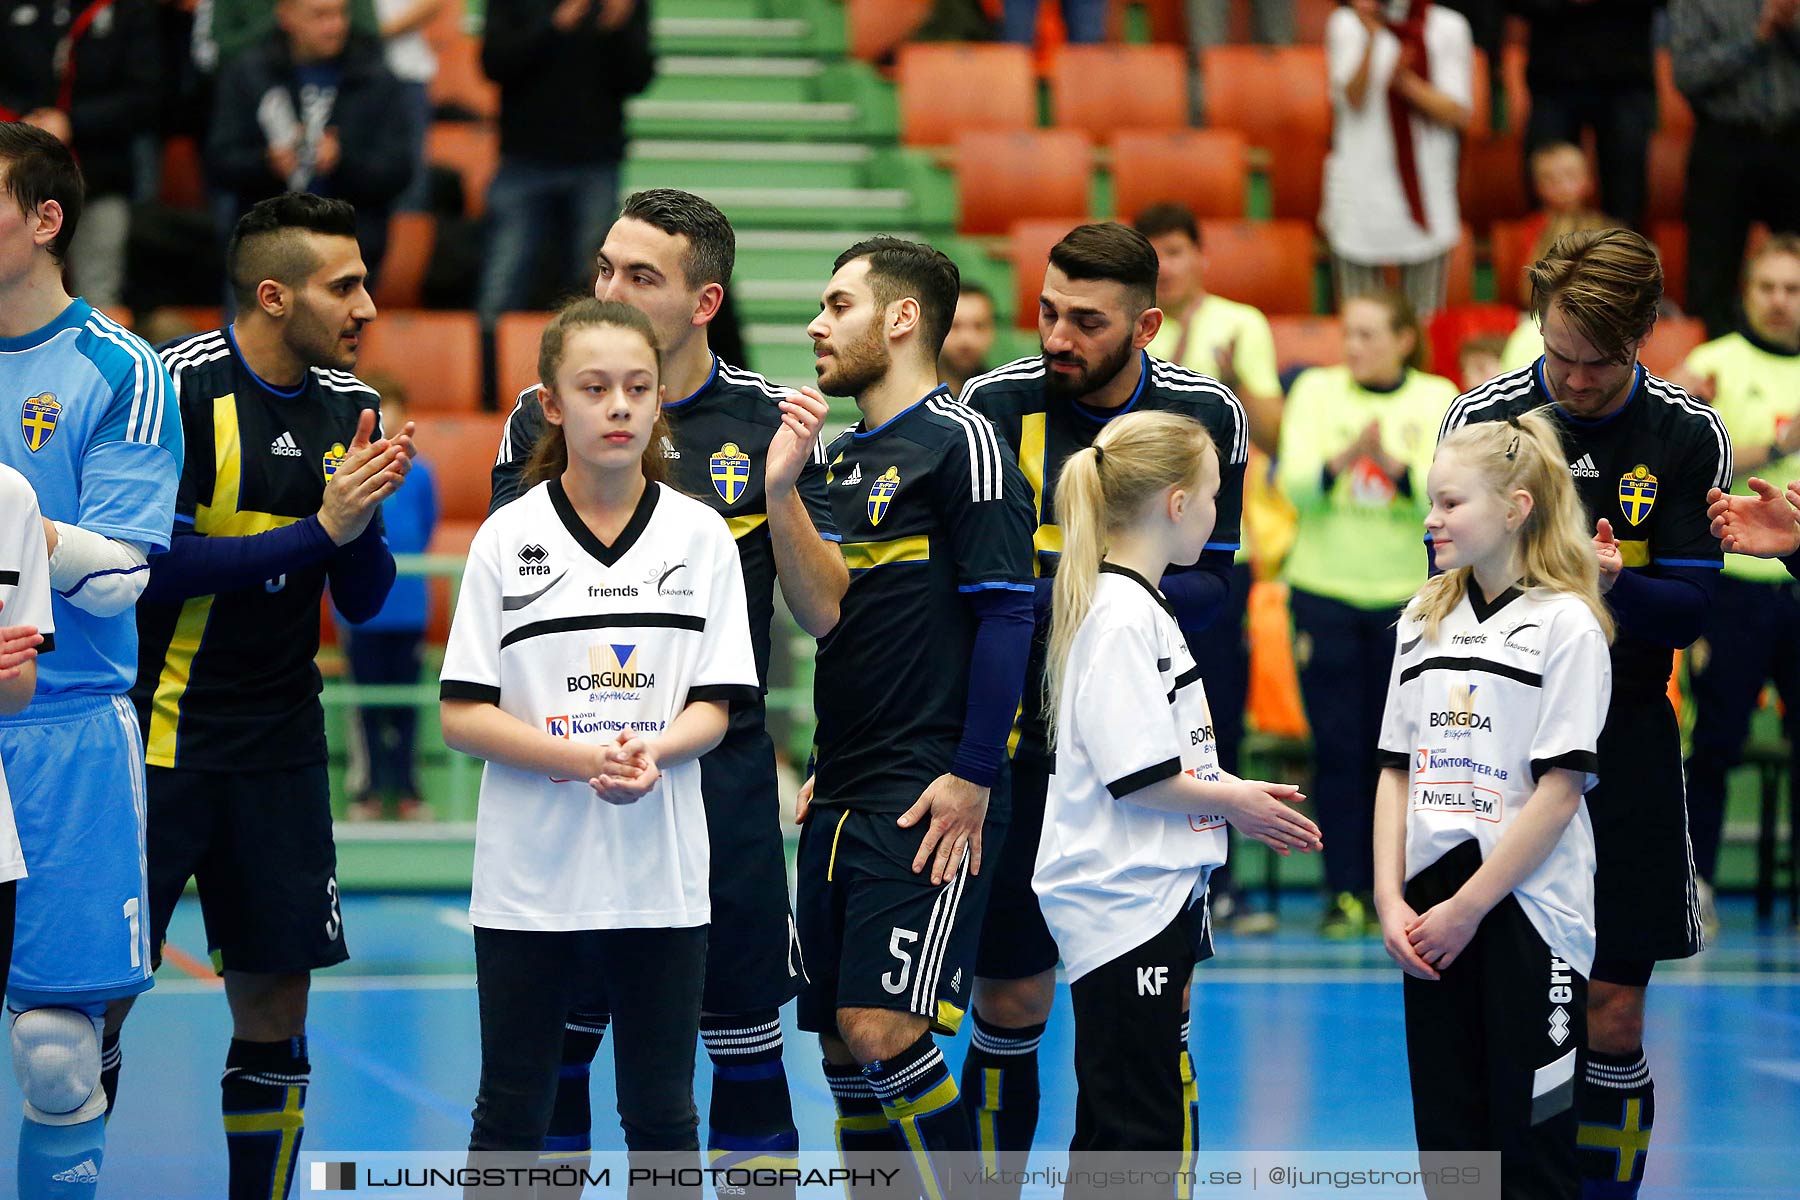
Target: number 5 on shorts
{"points": [[897, 946]]}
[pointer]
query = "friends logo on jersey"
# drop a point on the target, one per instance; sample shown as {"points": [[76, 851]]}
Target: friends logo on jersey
{"points": [[613, 669], [37, 420], [334, 458], [730, 472], [881, 494], [1460, 718], [1637, 494]]}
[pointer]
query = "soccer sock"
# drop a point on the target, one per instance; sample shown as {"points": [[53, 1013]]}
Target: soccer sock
{"points": [[1616, 1103], [1000, 1077], [861, 1128], [751, 1120], [921, 1101], [1190, 1127], [110, 1061], [263, 1097], [60, 1162], [570, 1136]]}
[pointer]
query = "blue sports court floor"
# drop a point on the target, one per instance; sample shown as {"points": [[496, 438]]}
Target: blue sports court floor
{"points": [[1298, 1043]]}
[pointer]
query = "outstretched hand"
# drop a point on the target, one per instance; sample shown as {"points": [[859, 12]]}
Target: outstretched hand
{"points": [[1766, 525], [1606, 553]]}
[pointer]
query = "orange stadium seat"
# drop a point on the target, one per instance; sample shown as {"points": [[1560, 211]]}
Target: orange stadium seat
{"points": [[437, 355], [1307, 341], [198, 317], [1309, 20], [1166, 19], [460, 81], [461, 448], [1511, 244], [1668, 174], [1201, 168], [1297, 177], [183, 184], [1451, 327], [1272, 94], [1481, 96], [1491, 186], [1097, 89], [1670, 239], [1513, 58], [450, 537], [1670, 343], [1028, 247], [516, 339], [472, 151], [953, 88], [1267, 264], [1459, 285], [1007, 177], [879, 27], [411, 239]]}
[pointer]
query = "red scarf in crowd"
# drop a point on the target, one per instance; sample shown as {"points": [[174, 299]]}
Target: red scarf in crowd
{"points": [[1410, 29]]}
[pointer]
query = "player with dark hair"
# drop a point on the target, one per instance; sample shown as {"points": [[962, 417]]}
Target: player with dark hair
{"points": [[670, 255], [1096, 315], [286, 471], [99, 441], [917, 684], [971, 337], [1644, 454]]}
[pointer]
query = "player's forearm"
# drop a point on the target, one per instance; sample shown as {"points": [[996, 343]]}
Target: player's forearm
{"points": [[204, 565], [1669, 609], [1180, 793], [996, 679], [362, 574], [1198, 594], [811, 569], [1390, 837], [97, 574], [695, 730], [1527, 842], [488, 732]]}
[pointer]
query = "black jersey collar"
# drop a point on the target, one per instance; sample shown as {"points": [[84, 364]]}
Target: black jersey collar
{"points": [[1103, 415], [1767, 347], [1543, 386], [584, 537], [280, 393], [1482, 609], [697, 392], [1162, 601], [862, 435]]}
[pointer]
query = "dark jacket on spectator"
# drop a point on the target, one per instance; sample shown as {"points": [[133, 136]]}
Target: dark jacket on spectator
{"points": [[115, 86], [1601, 43], [374, 162], [562, 95]]}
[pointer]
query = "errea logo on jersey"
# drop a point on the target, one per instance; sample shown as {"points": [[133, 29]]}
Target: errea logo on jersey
{"points": [[532, 560]]}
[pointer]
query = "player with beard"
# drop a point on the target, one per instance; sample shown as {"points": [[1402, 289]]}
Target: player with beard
{"points": [[1096, 314], [280, 495], [916, 688]]}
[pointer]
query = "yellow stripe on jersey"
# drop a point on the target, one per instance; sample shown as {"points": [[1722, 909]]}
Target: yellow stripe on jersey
{"points": [[861, 556], [745, 523], [1032, 463], [1634, 554], [1047, 540], [220, 517]]}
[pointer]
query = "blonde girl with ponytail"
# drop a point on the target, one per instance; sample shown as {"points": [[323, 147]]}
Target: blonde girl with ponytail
{"points": [[1137, 809], [1484, 851]]}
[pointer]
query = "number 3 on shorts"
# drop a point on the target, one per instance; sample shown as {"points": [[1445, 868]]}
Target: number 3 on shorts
{"points": [[336, 920], [897, 946]]}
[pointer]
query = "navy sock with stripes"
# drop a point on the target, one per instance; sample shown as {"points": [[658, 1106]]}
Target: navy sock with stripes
{"points": [[862, 1128], [570, 1136], [1000, 1089], [751, 1120], [111, 1059], [263, 1098], [1616, 1103], [921, 1101]]}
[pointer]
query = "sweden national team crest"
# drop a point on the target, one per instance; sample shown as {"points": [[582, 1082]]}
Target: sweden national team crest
{"points": [[1637, 494], [333, 458], [37, 420], [881, 494], [730, 472]]}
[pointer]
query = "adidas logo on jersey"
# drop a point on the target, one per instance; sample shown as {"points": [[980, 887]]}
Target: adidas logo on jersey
{"points": [[669, 450], [855, 476], [286, 446], [1584, 468], [83, 1172]]}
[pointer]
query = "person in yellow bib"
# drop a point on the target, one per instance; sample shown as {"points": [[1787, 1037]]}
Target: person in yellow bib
{"points": [[1356, 442], [1752, 631]]}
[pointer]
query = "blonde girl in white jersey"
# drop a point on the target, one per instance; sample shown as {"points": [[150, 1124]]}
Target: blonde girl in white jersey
{"points": [[1484, 853], [1137, 807]]}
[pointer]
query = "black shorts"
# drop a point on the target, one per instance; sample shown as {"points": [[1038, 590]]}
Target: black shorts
{"points": [[1645, 903], [1015, 941], [753, 954], [258, 845], [1624, 972], [877, 935]]}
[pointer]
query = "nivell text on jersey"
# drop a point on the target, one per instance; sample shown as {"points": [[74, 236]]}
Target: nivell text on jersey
{"points": [[1112, 874], [574, 637], [931, 507], [1043, 431]]}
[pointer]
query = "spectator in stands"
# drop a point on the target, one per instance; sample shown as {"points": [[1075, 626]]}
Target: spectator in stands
{"points": [[1478, 360], [971, 337], [1752, 631], [1356, 444], [1084, 19], [410, 59], [224, 29], [99, 96], [565, 69], [386, 648], [1209, 22], [1564, 185], [1400, 91], [1738, 63], [312, 109], [1591, 67]]}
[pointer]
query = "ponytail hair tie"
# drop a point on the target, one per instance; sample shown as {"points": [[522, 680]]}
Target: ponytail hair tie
{"points": [[1099, 454], [1512, 448]]}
